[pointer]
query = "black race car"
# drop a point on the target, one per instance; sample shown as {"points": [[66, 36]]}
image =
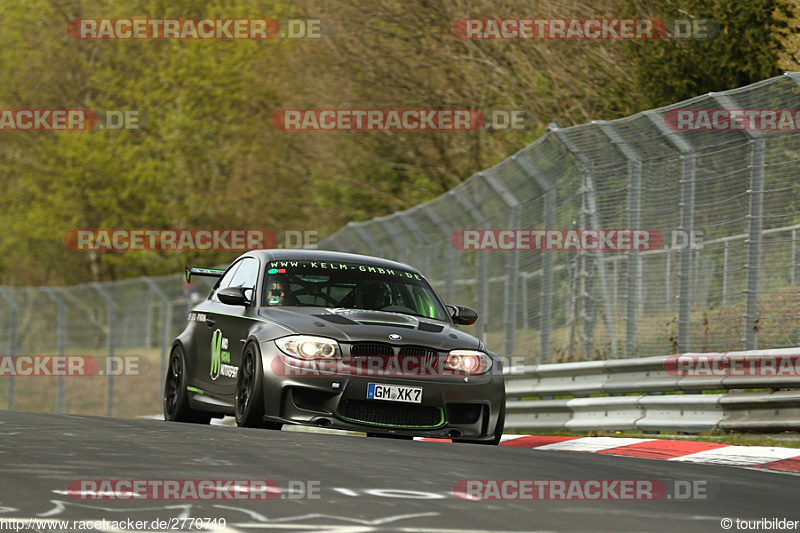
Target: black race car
{"points": [[333, 340]]}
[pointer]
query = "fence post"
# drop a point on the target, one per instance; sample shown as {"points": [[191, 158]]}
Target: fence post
{"points": [[550, 197], [387, 227], [407, 219], [12, 341], [725, 253], [756, 225], [512, 269], [482, 294], [687, 225], [449, 252], [753, 267], [163, 343], [794, 257], [148, 331], [338, 241], [585, 279], [111, 307], [668, 286], [634, 222], [61, 336], [588, 182], [332, 243], [366, 237]]}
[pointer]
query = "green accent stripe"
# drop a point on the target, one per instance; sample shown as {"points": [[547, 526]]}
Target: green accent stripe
{"points": [[195, 389], [405, 324], [439, 424], [259, 319]]}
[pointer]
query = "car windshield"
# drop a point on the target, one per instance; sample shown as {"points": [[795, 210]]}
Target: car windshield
{"points": [[351, 286]]}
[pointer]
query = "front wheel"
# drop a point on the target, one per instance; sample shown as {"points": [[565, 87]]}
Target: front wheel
{"points": [[250, 391], [176, 397]]}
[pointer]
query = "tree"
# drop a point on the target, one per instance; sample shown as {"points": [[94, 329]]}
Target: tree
{"points": [[744, 51]]}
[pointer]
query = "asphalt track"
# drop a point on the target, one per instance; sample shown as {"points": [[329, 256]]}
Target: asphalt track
{"points": [[357, 484]]}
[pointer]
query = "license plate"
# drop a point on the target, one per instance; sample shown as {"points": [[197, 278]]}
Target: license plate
{"points": [[394, 393]]}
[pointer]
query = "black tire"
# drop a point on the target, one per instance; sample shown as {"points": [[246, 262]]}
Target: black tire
{"points": [[176, 397], [249, 400]]}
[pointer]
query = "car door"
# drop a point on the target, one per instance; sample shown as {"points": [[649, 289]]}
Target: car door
{"points": [[207, 336], [232, 327]]}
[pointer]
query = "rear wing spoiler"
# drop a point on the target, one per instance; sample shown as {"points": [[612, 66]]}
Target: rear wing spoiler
{"points": [[199, 271]]}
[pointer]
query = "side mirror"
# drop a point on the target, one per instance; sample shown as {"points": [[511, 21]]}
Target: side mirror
{"points": [[462, 315], [233, 296]]}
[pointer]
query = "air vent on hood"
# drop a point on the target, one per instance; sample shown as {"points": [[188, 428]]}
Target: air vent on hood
{"points": [[386, 323], [433, 328]]}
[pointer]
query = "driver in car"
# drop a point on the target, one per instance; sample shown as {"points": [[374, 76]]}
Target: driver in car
{"points": [[280, 293], [375, 295]]}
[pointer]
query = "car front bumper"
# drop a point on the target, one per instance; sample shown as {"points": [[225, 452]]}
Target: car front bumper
{"points": [[451, 406]]}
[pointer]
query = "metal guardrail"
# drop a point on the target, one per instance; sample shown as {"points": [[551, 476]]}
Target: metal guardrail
{"points": [[664, 393]]}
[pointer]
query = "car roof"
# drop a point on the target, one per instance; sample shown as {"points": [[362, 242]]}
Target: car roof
{"points": [[302, 254]]}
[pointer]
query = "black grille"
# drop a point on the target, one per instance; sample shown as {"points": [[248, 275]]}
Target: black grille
{"points": [[417, 350], [414, 360], [371, 349], [365, 348], [378, 413]]}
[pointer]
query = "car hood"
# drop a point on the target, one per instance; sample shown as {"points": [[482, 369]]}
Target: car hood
{"points": [[355, 325]]}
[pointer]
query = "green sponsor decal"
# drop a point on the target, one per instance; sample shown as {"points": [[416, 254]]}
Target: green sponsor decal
{"points": [[219, 353], [195, 389], [216, 353]]}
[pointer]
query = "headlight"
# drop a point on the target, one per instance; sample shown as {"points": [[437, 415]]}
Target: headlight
{"points": [[472, 362], [308, 347]]}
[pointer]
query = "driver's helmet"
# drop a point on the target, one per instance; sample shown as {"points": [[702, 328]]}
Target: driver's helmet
{"points": [[280, 293], [375, 295]]}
